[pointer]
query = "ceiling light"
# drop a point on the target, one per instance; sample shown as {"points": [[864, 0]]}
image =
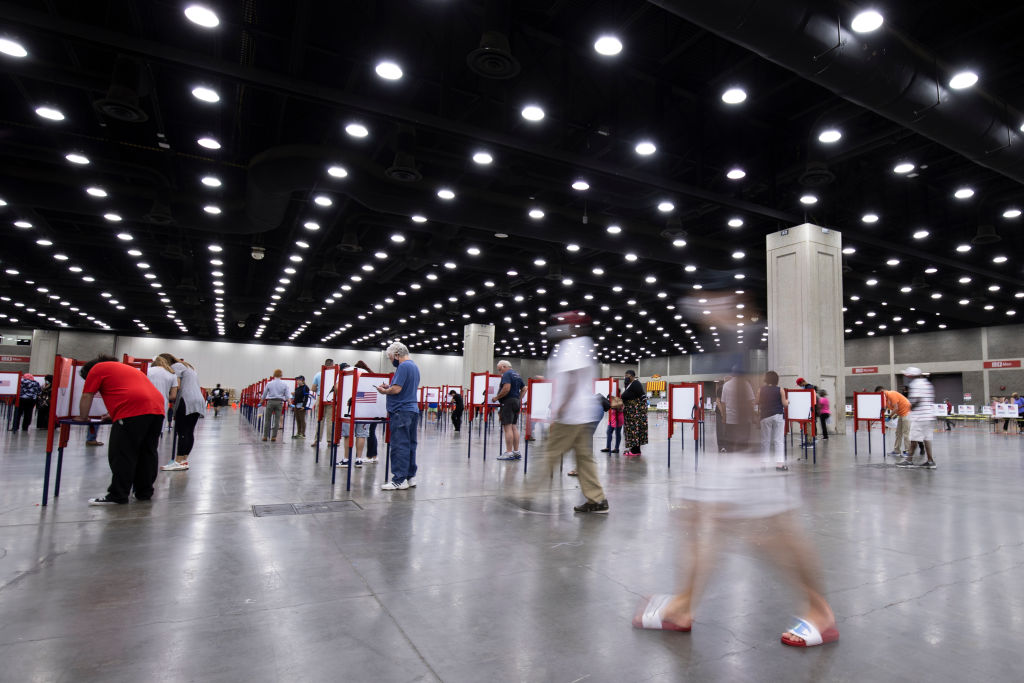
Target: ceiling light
{"points": [[211, 209], [866, 21], [580, 185], [419, 219], [215, 248], [389, 71], [613, 230], [125, 236], [892, 262], [905, 167], [736, 174], [337, 172], [963, 248], [597, 270], [95, 192], [631, 257], [398, 238], [539, 262], [609, 46], [869, 218], [964, 79], [536, 214], [311, 226], [738, 254], [532, 112], [999, 259], [44, 243], [679, 242], [849, 250], [665, 207], [808, 199], [964, 280], [920, 234], [993, 288], [74, 158], [645, 148], [204, 16], [322, 200], [205, 94], [735, 222], [734, 96], [1011, 213], [829, 136], [445, 193], [208, 143], [483, 158], [12, 48], [50, 113], [357, 130], [572, 247], [931, 270], [964, 193], [906, 289], [211, 181]]}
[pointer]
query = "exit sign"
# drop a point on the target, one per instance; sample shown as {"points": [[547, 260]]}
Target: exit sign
{"points": [[992, 364]]}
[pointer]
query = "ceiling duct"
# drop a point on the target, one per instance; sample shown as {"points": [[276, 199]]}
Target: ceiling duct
{"points": [[817, 175], [160, 213], [986, 235], [349, 242], [128, 85], [404, 168], [494, 59], [881, 71]]}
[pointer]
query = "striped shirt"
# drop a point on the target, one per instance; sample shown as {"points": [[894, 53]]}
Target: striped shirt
{"points": [[922, 399]]}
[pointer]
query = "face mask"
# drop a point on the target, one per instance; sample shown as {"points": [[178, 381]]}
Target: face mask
{"points": [[394, 362]]}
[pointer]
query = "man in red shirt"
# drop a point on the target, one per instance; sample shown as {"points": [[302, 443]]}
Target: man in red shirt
{"points": [[137, 410]]}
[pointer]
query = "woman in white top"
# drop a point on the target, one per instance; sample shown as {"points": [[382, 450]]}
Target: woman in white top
{"points": [[188, 408], [163, 378]]}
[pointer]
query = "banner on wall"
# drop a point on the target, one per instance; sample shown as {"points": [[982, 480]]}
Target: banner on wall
{"points": [[15, 359], [994, 364]]}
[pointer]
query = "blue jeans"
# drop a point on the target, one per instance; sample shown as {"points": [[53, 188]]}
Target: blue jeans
{"points": [[617, 431], [403, 445]]}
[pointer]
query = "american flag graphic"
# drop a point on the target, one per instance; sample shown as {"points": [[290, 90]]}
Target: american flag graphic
{"points": [[366, 397]]}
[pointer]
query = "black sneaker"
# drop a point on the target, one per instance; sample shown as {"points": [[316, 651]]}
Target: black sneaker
{"points": [[600, 508], [105, 500], [606, 450]]}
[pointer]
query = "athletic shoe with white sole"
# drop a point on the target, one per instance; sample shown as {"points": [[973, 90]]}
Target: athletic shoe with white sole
{"points": [[392, 486], [411, 481], [174, 466]]}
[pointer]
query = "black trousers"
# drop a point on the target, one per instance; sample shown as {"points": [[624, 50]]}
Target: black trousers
{"points": [[23, 413], [132, 456], [185, 428], [823, 418], [457, 419]]}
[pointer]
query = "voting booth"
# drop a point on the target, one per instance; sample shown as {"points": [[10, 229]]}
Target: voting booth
{"points": [[358, 402], [482, 388], [607, 386], [10, 388], [142, 364], [539, 394], [868, 409], [685, 407], [800, 412], [325, 399]]}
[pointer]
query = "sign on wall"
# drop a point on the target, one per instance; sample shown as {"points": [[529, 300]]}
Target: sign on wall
{"points": [[15, 359], [992, 364], [866, 370]]}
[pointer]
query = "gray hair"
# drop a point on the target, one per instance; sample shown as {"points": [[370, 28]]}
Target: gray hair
{"points": [[504, 363], [398, 349]]}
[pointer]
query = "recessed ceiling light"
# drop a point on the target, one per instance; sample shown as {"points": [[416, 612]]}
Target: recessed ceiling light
{"points": [[998, 259], [735, 222], [993, 288], [483, 158], [388, 71], [580, 185], [572, 247], [473, 251], [532, 112], [125, 236], [322, 200], [597, 270], [1011, 213], [205, 94], [95, 192], [736, 174], [211, 181], [963, 248], [337, 172], [931, 270], [211, 209], [665, 207], [964, 193], [808, 199], [44, 243], [904, 167], [50, 113], [645, 148], [208, 143], [536, 214], [613, 230], [631, 257], [679, 242], [311, 226], [357, 130], [397, 238], [112, 217], [12, 48], [920, 234], [690, 269], [906, 289], [609, 46], [204, 16], [964, 280], [963, 79], [869, 218], [734, 96], [79, 159], [892, 262], [24, 225], [215, 248], [849, 250], [738, 254], [829, 136], [867, 21], [445, 193]]}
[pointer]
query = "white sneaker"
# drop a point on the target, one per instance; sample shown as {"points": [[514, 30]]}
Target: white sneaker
{"points": [[174, 466], [370, 461], [392, 486], [411, 481]]}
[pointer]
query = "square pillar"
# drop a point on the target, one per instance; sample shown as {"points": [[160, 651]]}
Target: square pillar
{"points": [[805, 311], [477, 350]]}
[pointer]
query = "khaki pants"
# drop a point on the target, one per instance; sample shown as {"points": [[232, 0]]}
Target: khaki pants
{"points": [[578, 438], [327, 418], [902, 441], [300, 421]]}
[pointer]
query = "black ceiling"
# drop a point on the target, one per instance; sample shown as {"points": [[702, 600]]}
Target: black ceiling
{"points": [[291, 76]]}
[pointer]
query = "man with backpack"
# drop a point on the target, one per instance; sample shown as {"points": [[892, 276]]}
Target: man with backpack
{"points": [[508, 397]]}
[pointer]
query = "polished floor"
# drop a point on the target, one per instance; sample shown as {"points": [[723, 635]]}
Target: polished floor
{"points": [[469, 578]]}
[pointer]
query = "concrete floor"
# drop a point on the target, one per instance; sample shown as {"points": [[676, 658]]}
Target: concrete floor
{"points": [[467, 579]]}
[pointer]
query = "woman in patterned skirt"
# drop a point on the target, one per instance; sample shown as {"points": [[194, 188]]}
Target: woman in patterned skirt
{"points": [[634, 400]]}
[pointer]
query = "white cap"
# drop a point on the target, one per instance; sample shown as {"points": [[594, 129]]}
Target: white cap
{"points": [[912, 372]]}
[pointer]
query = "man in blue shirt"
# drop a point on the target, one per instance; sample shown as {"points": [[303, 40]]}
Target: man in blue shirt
{"points": [[508, 397], [403, 414]]}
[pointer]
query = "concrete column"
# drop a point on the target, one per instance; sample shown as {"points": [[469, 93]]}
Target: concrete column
{"points": [[805, 311], [44, 348], [477, 350]]}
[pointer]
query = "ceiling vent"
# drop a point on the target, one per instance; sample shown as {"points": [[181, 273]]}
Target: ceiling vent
{"points": [[349, 243], [817, 175], [160, 213], [306, 296], [918, 283], [986, 235], [493, 59], [554, 272], [126, 87], [404, 168]]}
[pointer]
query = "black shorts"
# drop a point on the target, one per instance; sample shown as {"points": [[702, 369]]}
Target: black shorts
{"points": [[509, 411]]}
